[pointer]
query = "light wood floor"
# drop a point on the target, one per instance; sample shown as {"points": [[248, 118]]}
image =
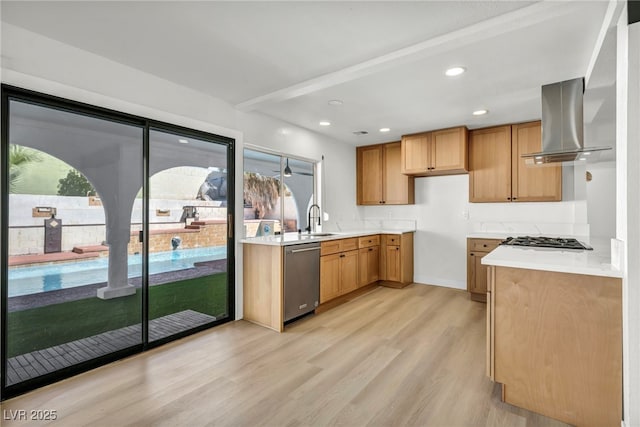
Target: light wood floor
{"points": [[412, 356]]}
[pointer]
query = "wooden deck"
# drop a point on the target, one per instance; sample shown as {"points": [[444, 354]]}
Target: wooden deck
{"points": [[41, 362]]}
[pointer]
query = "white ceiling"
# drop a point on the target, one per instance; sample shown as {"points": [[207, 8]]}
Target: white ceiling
{"points": [[385, 60]]}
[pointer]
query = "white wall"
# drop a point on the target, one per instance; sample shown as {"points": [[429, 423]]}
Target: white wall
{"points": [[601, 199], [441, 209], [628, 208], [38, 63]]}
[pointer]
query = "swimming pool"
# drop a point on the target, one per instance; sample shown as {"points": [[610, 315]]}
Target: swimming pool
{"points": [[43, 278]]}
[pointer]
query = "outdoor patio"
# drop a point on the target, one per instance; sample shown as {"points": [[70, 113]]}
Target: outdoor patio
{"points": [[41, 362]]}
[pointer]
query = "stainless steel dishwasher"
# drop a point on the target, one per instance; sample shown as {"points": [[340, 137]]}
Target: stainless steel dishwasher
{"points": [[301, 279]]}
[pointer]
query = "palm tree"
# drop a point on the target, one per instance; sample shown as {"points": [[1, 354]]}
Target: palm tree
{"points": [[19, 157], [261, 191]]}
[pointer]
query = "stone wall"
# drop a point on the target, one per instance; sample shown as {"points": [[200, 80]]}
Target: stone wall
{"points": [[83, 223], [211, 233]]}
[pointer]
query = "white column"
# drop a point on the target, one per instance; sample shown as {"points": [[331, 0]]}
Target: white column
{"points": [[118, 235], [628, 208]]}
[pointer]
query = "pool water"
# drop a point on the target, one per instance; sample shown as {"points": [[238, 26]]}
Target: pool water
{"points": [[43, 278]]}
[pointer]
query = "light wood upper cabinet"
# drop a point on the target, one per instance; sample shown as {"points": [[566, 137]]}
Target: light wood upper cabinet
{"points": [[416, 153], [532, 183], [440, 152], [490, 165], [449, 150], [498, 173], [379, 176], [369, 174]]}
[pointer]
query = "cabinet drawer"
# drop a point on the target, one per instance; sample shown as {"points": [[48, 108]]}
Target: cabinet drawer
{"points": [[368, 241], [335, 246], [392, 239], [484, 245]]}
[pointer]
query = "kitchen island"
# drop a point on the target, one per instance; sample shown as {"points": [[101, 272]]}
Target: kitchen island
{"points": [[350, 263], [554, 332]]}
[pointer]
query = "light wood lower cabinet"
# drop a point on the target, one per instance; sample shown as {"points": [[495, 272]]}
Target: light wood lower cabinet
{"points": [[368, 265], [262, 285], [396, 259], [554, 341], [386, 259], [476, 272], [338, 274]]}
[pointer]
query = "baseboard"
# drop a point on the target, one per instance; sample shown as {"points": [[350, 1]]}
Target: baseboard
{"points": [[438, 281]]}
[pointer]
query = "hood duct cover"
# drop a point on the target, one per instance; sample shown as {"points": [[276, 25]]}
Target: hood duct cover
{"points": [[562, 123]]}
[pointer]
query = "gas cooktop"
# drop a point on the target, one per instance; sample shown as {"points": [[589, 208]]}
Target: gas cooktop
{"points": [[545, 242]]}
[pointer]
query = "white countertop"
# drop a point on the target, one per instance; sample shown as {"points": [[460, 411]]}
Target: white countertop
{"points": [[489, 235], [593, 263], [300, 238]]}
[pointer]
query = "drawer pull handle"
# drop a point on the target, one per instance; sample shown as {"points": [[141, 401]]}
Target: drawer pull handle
{"points": [[342, 255]]}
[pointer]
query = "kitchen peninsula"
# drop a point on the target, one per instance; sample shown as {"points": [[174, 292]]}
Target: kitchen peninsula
{"points": [[554, 332], [351, 262]]}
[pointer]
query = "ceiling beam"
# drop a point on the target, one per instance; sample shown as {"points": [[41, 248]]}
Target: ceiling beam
{"points": [[521, 18], [609, 21]]}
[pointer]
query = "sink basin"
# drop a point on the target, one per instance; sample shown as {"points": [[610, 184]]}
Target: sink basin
{"points": [[320, 234]]}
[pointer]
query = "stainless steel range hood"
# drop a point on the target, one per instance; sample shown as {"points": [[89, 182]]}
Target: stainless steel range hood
{"points": [[562, 124]]}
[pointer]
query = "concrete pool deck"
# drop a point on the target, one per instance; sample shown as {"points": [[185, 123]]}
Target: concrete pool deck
{"points": [[40, 299]]}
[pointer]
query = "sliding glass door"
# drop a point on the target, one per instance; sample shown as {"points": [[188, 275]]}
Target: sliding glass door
{"points": [[70, 296], [188, 216], [115, 236]]}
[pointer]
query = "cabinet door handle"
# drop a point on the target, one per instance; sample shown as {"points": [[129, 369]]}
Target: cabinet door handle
{"points": [[508, 198], [484, 246], [471, 254], [342, 255], [514, 198], [370, 249], [397, 249]]}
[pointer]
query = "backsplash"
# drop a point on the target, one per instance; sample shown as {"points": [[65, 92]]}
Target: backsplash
{"points": [[529, 228], [376, 224]]}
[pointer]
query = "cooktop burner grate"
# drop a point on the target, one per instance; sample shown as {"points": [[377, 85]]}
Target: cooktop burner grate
{"points": [[545, 242]]}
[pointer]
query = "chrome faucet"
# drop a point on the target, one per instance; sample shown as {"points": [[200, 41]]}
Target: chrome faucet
{"points": [[311, 225]]}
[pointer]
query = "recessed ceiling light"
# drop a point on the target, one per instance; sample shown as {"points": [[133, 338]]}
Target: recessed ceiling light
{"points": [[586, 153], [335, 102], [384, 129], [324, 123], [480, 112], [582, 158], [183, 141], [455, 71]]}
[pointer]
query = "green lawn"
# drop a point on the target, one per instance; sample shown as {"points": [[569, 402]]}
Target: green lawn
{"points": [[44, 327]]}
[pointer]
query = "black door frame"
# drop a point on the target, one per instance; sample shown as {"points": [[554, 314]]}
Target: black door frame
{"points": [[8, 93]]}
